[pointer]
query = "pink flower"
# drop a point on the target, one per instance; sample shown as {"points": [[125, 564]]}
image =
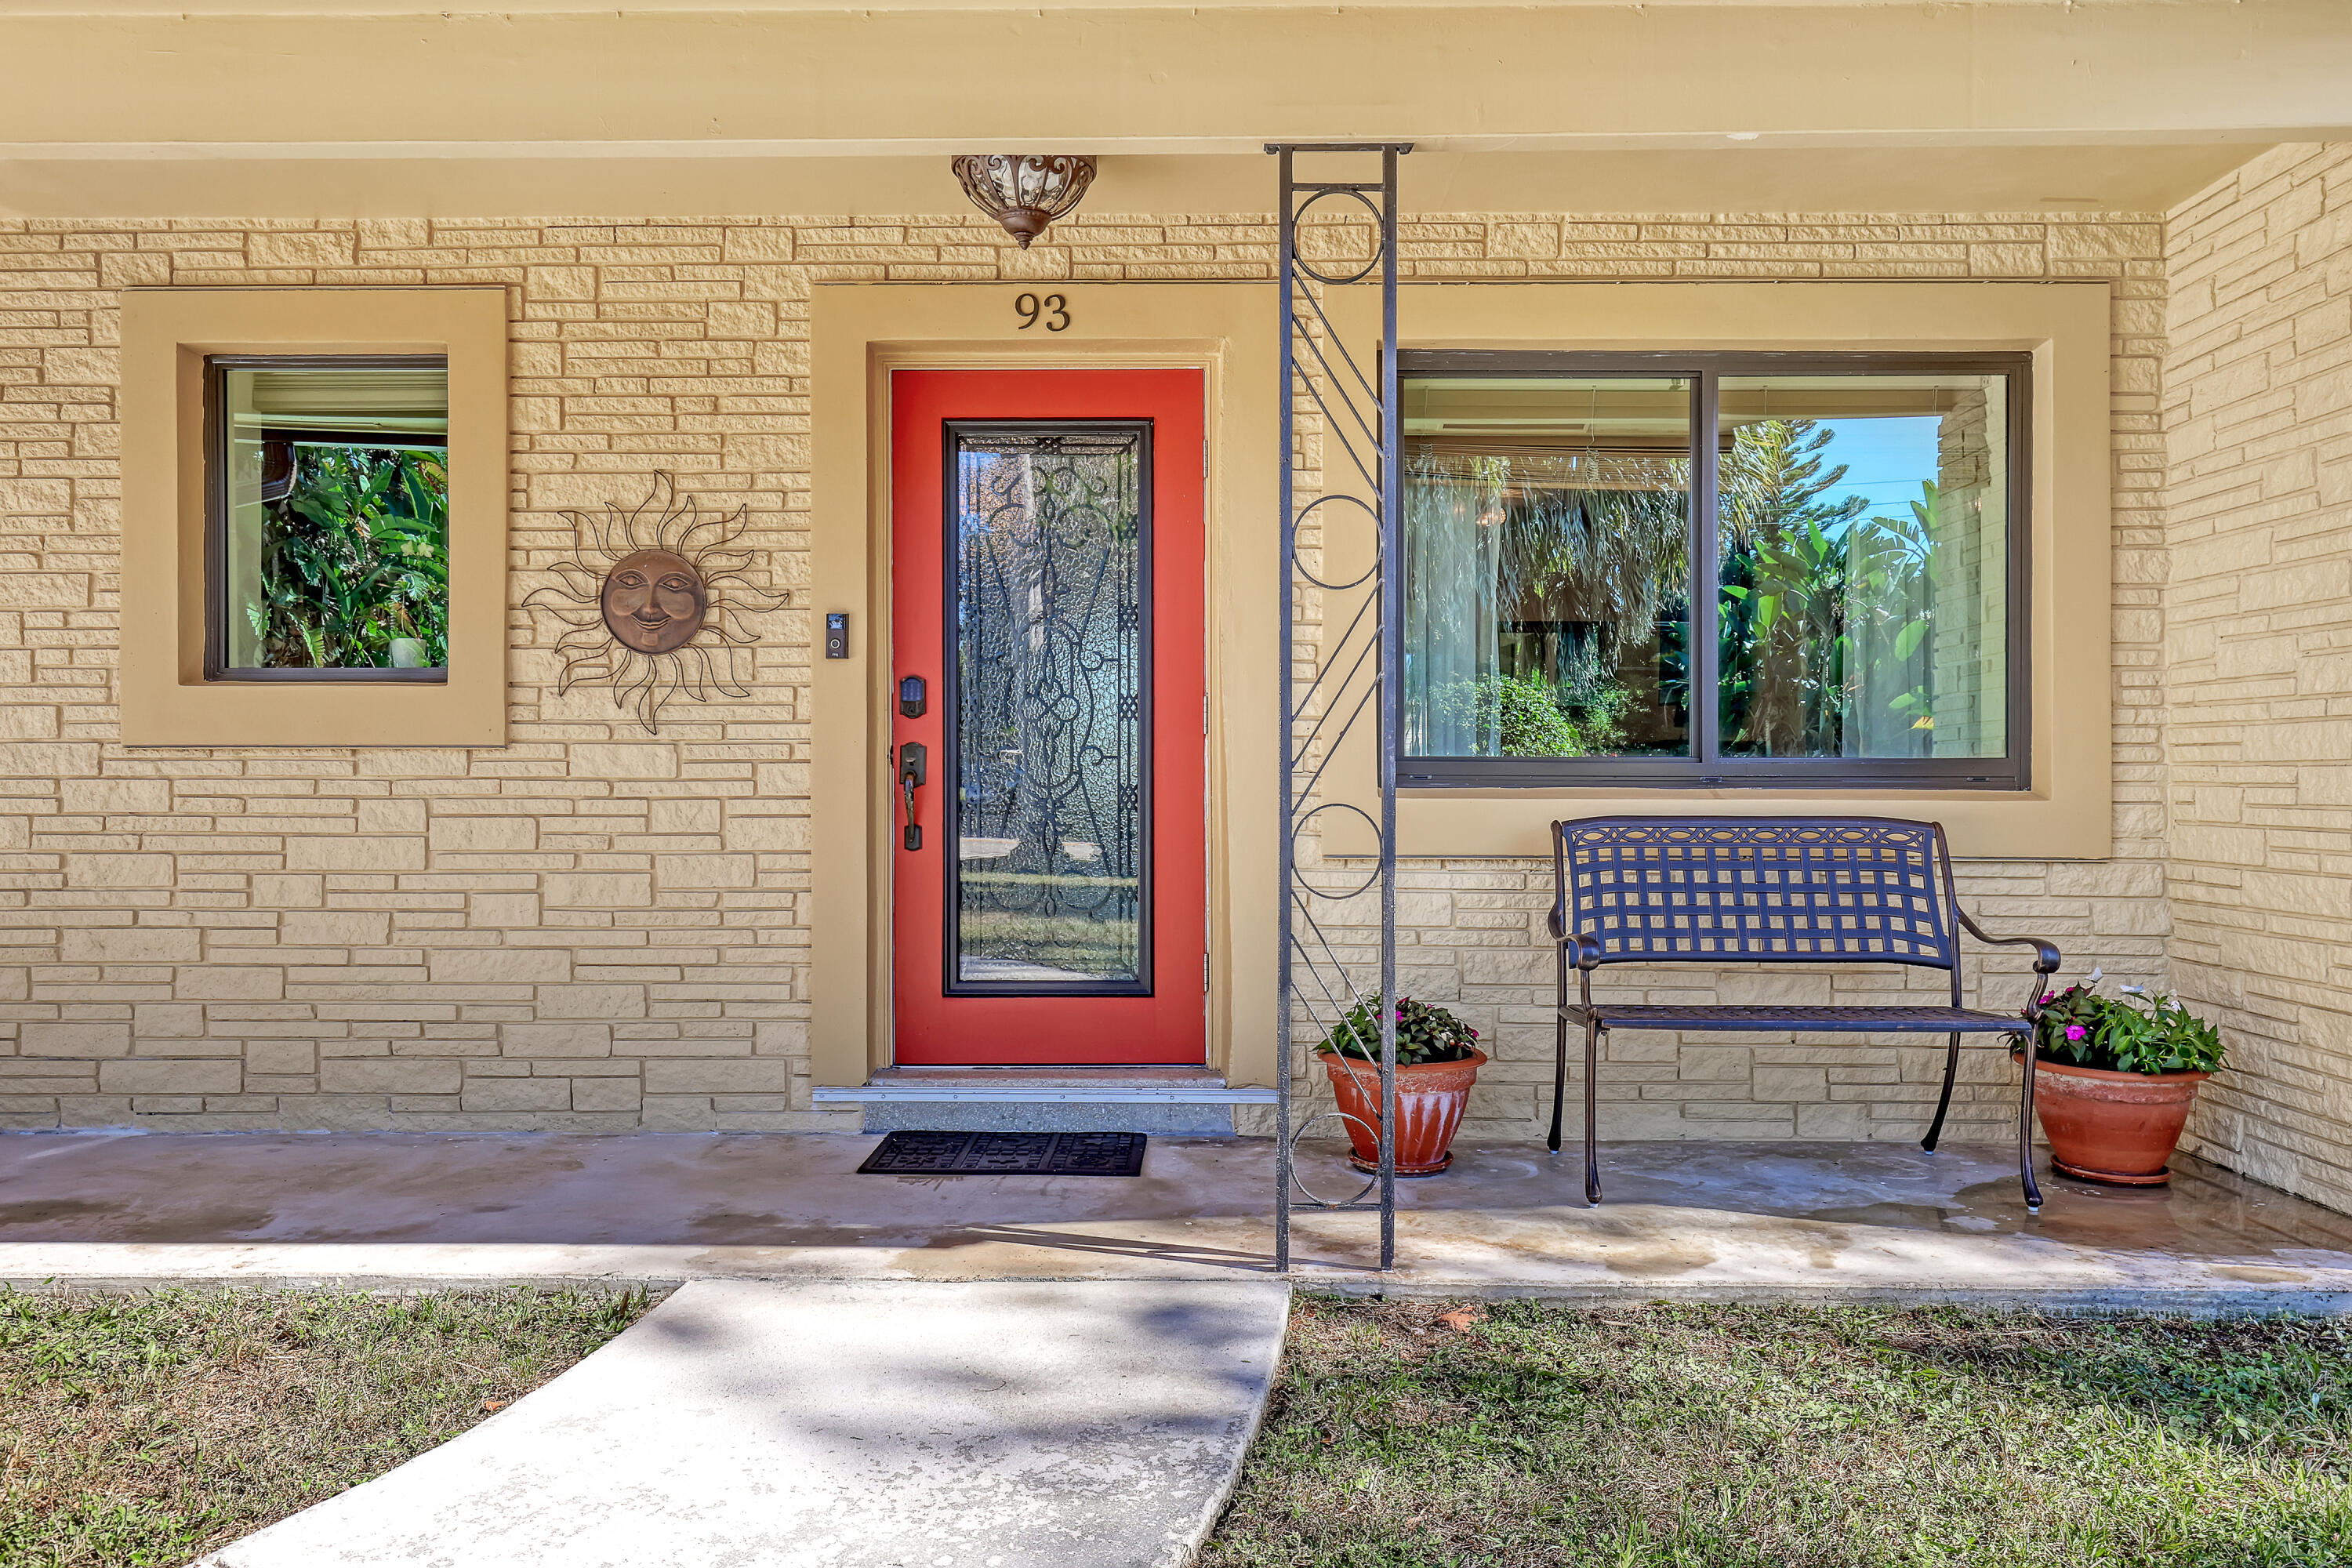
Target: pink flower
{"points": [[2076, 1031], [2047, 998]]}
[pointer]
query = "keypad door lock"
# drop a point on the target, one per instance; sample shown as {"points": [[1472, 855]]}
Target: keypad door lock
{"points": [[914, 697]]}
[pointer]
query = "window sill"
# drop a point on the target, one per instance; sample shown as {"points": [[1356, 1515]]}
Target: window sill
{"points": [[1503, 785], [370, 677]]}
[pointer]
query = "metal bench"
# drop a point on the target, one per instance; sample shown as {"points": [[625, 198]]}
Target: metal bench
{"points": [[1722, 891]]}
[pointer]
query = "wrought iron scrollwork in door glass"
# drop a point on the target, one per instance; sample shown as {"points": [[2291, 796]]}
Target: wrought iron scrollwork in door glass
{"points": [[1049, 618]]}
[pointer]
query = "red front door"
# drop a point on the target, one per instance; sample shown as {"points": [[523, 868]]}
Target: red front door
{"points": [[1047, 623]]}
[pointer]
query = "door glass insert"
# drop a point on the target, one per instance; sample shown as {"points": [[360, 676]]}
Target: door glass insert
{"points": [[1049, 640]]}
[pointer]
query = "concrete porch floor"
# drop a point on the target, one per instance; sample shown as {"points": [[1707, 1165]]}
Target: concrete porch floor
{"points": [[1695, 1221]]}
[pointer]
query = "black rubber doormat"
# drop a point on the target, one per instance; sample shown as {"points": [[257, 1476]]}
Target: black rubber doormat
{"points": [[1006, 1154]]}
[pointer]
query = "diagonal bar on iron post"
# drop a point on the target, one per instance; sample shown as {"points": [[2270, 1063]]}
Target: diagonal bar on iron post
{"points": [[1355, 419]]}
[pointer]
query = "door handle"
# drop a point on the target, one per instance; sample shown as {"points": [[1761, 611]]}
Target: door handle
{"points": [[914, 772]]}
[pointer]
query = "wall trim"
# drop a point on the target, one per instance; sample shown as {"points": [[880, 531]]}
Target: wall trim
{"points": [[166, 334], [2068, 812]]}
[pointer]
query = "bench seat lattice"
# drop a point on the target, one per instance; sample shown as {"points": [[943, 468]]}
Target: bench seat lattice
{"points": [[1751, 892]]}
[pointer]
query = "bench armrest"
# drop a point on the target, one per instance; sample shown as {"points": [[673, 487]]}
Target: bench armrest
{"points": [[1584, 951], [2045, 957]]}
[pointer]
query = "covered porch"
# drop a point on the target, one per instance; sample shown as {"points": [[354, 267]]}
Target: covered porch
{"points": [[1778, 1220]]}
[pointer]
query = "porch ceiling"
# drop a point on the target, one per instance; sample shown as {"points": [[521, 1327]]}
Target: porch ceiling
{"points": [[183, 181]]}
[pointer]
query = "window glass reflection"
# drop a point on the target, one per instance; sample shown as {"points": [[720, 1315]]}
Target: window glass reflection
{"points": [[1547, 567]]}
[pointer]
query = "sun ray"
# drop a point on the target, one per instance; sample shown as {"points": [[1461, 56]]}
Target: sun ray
{"points": [[726, 674], [717, 521], [572, 609], [629, 683], [591, 667], [657, 499], [777, 599]]}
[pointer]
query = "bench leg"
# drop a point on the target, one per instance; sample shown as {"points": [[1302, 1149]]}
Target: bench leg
{"points": [[2025, 1131], [1592, 1113], [1559, 1052], [1559, 1082], [1944, 1101]]}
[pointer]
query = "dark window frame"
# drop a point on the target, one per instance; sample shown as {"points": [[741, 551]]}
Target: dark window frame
{"points": [[218, 669], [952, 433], [1705, 767]]}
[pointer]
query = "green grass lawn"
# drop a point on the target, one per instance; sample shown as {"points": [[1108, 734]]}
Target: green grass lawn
{"points": [[143, 1430], [1521, 1435]]}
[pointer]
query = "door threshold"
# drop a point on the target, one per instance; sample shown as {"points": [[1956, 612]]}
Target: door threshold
{"points": [[1043, 1086]]}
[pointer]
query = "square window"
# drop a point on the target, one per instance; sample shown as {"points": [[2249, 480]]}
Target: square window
{"points": [[327, 551], [1824, 589], [314, 516]]}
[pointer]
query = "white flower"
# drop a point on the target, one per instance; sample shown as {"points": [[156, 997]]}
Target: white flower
{"points": [[2097, 975]]}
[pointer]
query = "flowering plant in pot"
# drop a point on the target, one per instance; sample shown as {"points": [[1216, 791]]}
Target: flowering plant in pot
{"points": [[2115, 1076], [1438, 1060]]}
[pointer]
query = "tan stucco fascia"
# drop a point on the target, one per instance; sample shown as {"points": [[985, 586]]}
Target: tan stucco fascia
{"points": [[888, 79], [860, 333], [166, 335], [2068, 814]]}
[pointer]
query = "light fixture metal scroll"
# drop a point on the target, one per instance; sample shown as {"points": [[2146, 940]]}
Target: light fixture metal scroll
{"points": [[1025, 191]]}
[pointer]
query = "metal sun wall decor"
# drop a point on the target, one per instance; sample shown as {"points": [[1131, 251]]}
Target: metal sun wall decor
{"points": [[640, 592]]}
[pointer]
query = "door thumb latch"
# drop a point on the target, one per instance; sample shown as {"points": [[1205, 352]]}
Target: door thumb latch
{"points": [[914, 771]]}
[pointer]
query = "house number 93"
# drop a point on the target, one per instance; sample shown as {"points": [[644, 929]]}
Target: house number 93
{"points": [[1053, 309]]}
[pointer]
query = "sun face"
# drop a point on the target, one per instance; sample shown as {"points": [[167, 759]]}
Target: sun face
{"points": [[653, 601], [641, 594]]}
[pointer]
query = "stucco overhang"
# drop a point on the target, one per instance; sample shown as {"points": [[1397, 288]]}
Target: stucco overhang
{"points": [[2167, 94], [1209, 78]]}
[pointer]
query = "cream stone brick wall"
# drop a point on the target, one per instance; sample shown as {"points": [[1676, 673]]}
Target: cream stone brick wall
{"points": [[2258, 399], [593, 928]]}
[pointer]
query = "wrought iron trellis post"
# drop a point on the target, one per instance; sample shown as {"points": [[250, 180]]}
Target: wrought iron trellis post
{"points": [[1359, 669]]}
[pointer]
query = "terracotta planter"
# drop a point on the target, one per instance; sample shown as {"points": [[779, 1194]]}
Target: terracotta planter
{"points": [[2113, 1127], [1430, 1098]]}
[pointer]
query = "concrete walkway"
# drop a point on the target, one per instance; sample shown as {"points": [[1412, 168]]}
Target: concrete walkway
{"points": [[1752, 1221], [846, 1425]]}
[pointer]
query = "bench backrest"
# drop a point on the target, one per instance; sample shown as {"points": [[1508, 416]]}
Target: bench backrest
{"points": [[1663, 889]]}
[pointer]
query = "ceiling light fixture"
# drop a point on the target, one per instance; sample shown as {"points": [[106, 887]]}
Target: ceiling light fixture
{"points": [[1025, 191]]}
